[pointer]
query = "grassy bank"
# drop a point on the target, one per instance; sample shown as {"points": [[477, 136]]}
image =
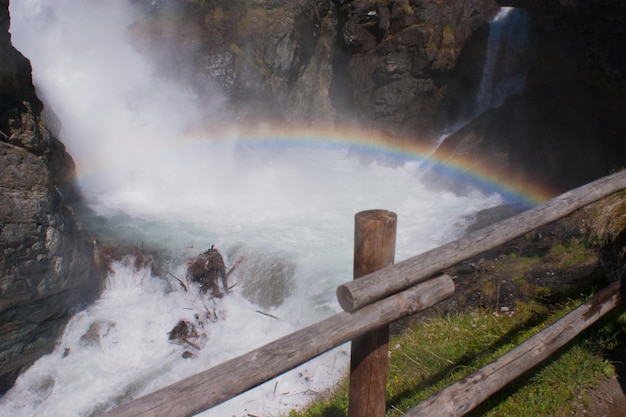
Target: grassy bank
{"points": [[433, 353]]}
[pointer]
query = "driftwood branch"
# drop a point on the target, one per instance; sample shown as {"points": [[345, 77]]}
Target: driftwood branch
{"points": [[267, 314], [233, 267], [182, 284], [377, 285], [190, 343]]}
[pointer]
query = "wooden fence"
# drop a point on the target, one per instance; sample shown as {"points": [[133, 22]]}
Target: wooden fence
{"points": [[381, 294]]}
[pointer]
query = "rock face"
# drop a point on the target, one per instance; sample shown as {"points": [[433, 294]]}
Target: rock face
{"points": [[567, 127], [399, 56], [380, 64], [258, 60], [47, 270]]}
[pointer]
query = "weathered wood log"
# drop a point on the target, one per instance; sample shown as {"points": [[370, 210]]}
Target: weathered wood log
{"points": [[377, 285], [374, 241], [464, 395], [228, 379], [374, 248]]}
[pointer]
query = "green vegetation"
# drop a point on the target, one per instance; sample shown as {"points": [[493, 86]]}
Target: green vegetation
{"points": [[433, 353], [608, 217]]}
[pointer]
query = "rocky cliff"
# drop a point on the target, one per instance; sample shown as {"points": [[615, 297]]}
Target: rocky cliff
{"points": [[567, 126], [47, 270], [252, 60], [400, 56], [383, 65]]}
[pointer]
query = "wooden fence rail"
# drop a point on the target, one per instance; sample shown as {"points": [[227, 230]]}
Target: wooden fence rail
{"points": [[358, 293], [372, 301], [463, 396]]}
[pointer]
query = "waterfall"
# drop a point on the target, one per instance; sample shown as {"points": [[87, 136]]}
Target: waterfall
{"points": [[506, 59]]}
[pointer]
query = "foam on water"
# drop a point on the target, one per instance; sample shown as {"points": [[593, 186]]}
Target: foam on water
{"points": [[284, 216]]}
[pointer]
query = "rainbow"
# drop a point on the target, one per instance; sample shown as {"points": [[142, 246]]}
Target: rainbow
{"points": [[376, 144]]}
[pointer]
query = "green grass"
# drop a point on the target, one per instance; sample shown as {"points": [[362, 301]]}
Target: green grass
{"points": [[575, 252], [434, 353]]}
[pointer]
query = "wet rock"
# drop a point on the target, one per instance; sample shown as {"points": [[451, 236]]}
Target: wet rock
{"points": [[47, 269], [493, 215], [183, 330], [188, 355], [96, 332], [267, 60], [267, 278], [188, 335], [401, 55]]}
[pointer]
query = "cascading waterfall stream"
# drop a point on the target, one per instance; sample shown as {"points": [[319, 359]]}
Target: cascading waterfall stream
{"points": [[506, 59], [279, 208], [507, 62]]}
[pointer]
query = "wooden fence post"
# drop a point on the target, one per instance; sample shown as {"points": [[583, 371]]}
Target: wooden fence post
{"points": [[374, 249]]}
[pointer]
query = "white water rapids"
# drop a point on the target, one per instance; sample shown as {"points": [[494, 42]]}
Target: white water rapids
{"points": [[287, 210]]}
